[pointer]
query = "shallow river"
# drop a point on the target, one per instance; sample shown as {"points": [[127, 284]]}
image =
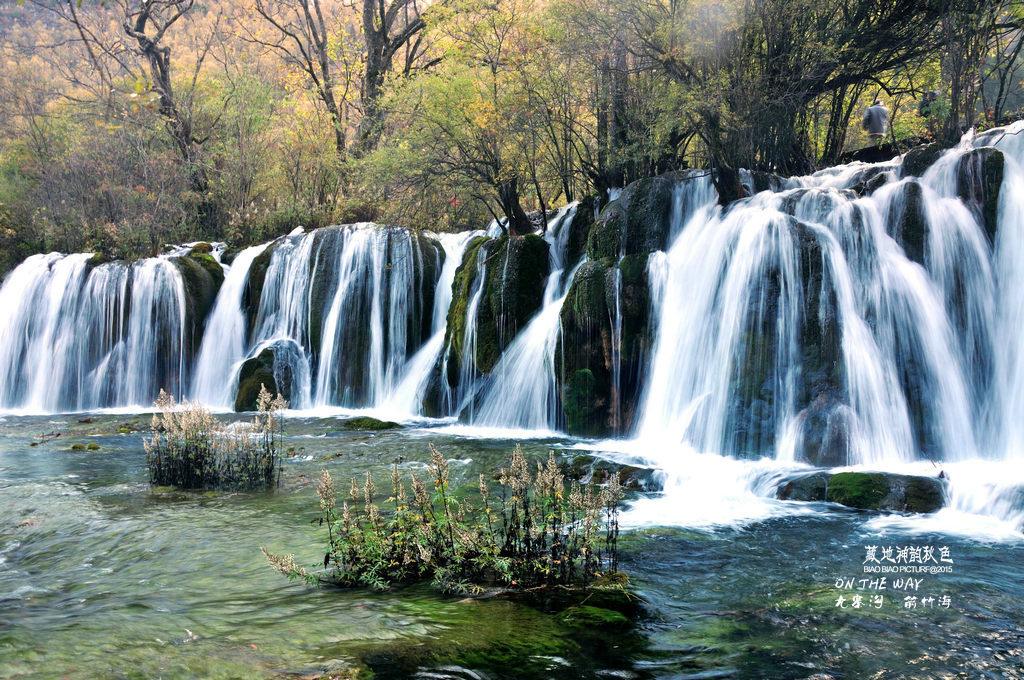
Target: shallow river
{"points": [[101, 576]]}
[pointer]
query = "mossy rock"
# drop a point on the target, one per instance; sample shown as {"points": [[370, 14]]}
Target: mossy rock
{"points": [[979, 180], [78, 446], [202, 277], [263, 370], [638, 221], [367, 423], [920, 158], [92, 446], [201, 248], [579, 230], [254, 285], [513, 291], [516, 276], [884, 491], [463, 288], [588, 617], [808, 487], [97, 259], [865, 490], [586, 356]]}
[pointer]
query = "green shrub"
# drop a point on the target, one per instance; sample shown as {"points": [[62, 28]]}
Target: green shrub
{"points": [[527, 532], [191, 449]]}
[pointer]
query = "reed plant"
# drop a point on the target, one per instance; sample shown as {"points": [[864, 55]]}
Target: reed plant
{"points": [[526, 530], [191, 449]]}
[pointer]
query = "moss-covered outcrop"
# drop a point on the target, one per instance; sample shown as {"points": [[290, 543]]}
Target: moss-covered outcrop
{"points": [[514, 273], [638, 221], [979, 180], [884, 491], [920, 158], [254, 285], [265, 369], [606, 326], [368, 423], [868, 490], [516, 276], [586, 357], [202, 277]]}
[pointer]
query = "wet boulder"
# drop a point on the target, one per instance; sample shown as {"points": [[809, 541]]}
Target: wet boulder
{"points": [[920, 158], [638, 221], [907, 223], [511, 292], [253, 291], [585, 469], [806, 487], [202, 277], [585, 359], [979, 180], [273, 368], [887, 491]]}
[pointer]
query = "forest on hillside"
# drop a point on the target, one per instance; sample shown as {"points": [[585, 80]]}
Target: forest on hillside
{"points": [[128, 124]]}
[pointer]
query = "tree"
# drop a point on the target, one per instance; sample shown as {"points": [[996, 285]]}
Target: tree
{"points": [[144, 60], [316, 38]]}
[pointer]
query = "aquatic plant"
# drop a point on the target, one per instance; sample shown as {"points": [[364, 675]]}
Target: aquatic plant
{"points": [[525, 531], [191, 449]]}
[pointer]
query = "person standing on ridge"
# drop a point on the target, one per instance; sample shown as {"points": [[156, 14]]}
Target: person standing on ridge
{"points": [[876, 121]]}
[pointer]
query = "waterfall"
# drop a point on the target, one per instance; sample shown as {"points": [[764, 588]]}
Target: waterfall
{"points": [[407, 396], [521, 391], [223, 347], [81, 337]]}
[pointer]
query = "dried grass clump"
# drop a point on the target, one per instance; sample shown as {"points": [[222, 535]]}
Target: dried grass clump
{"points": [[191, 449]]}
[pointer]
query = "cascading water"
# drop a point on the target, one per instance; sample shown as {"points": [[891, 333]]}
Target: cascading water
{"points": [[521, 391], [406, 398], [223, 347], [78, 337], [885, 328]]}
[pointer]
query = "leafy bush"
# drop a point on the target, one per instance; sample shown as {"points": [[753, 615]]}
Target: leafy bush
{"points": [[191, 449], [527, 532]]}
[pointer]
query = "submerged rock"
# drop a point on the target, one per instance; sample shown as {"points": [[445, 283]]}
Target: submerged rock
{"points": [[586, 468]]}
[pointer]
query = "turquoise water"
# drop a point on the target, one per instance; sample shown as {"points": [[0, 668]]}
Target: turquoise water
{"points": [[101, 576]]}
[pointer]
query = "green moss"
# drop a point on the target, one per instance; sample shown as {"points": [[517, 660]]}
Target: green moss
{"points": [[605, 240], [923, 495], [367, 423], [254, 286], [78, 446], [583, 404], [589, 617], [462, 291], [252, 376], [201, 247], [97, 259], [202, 277], [93, 446], [864, 490]]}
